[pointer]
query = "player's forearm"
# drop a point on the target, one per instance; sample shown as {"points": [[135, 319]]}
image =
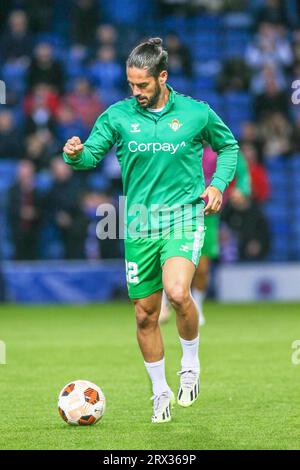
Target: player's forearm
{"points": [[226, 166]]}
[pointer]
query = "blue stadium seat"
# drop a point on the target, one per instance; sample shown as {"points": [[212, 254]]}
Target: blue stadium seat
{"points": [[98, 182], [213, 22], [8, 171], [111, 95], [204, 81], [50, 246], [14, 75], [277, 163], [181, 84], [276, 211], [44, 181], [293, 164], [279, 184], [126, 11]]}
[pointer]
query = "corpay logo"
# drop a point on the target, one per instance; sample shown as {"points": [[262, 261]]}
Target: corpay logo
{"points": [[154, 147]]}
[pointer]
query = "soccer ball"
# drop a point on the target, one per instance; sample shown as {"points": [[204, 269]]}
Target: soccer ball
{"points": [[81, 403]]}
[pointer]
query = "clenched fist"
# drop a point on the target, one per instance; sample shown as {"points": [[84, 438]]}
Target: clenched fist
{"points": [[73, 147]]}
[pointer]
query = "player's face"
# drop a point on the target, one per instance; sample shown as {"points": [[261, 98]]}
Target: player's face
{"points": [[145, 88]]}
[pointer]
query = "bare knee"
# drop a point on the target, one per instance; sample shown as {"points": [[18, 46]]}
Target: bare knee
{"points": [[178, 295], [146, 314]]}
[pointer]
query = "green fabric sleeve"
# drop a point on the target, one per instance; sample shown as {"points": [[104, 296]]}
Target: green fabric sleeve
{"points": [[242, 175], [99, 142], [222, 141]]}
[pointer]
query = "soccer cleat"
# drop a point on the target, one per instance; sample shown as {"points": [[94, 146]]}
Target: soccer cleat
{"points": [[162, 405], [189, 387]]}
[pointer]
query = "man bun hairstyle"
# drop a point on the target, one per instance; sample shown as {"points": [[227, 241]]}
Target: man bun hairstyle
{"points": [[151, 55]]}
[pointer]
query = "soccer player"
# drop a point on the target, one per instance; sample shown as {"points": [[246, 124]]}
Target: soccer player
{"points": [[211, 248], [159, 135]]}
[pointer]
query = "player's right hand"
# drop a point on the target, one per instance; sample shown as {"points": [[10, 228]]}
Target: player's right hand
{"points": [[73, 147]]}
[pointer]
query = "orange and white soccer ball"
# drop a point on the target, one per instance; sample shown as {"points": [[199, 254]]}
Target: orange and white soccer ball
{"points": [[81, 403]]}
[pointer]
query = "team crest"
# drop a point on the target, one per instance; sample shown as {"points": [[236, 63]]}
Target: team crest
{"points": [[175, 125]]}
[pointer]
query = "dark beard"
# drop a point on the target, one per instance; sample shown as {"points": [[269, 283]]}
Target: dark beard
{"points": [[153, 101]]}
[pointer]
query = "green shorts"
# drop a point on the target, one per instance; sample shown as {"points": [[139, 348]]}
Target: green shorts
{"points": [[145, 257], [211, 243]]}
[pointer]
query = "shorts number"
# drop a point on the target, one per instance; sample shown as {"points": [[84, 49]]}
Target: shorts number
{"points": [[131, 272]]}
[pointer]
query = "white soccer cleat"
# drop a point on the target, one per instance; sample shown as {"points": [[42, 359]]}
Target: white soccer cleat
{"points": [[189, 387], [162, 405]]}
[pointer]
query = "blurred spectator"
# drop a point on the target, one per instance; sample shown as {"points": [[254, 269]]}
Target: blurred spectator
{"points": [[4, 10], [259, 177], [296, 137], [39, 118], [179, 59], [44, 68], [276, 132], [62, 207], [174, 7], [271, 100], [40, 148], [250, 135], [85, 17], [69, 123], [268, 73], [16, 42], [10, 136], [105, 69], [42, 95], [244, 217], [24, 213], [296, 45], [273, 11], [270, 47], [40, 14], [235, 75], [84, 102], [106, 35], [99, 246], [40, 106]]}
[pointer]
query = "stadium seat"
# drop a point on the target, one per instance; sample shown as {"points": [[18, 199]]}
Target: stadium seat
{"points": [[8, 170], [181, 84], [98, 182]]}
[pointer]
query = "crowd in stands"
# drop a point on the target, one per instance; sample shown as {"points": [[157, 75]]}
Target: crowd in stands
{"points": [[63, 64]]}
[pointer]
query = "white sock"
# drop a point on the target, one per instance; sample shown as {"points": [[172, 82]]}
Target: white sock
{"points": [[156, 371], [190, 358]]}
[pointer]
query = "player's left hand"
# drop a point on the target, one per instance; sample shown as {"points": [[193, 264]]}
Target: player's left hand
{"points": [[214, 202]]}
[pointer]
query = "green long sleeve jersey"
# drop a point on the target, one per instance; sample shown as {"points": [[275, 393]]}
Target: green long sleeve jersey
{"points": [[160, 154], [242, 175]]}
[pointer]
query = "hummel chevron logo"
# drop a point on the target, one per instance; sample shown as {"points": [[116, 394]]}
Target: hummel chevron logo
{"points": [[135, 128], [184, 248]]}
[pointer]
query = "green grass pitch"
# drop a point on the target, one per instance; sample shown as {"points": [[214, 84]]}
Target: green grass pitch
{"points": [[250, 387]]}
